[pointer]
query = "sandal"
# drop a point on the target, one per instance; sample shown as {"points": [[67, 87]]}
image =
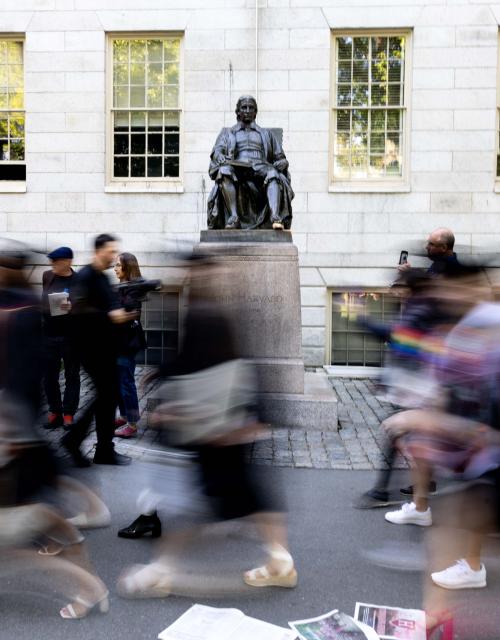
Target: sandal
{"points": [[146, 581], [51, 549], [54, 548], [264, 577], [84, 521], [70, 613]]}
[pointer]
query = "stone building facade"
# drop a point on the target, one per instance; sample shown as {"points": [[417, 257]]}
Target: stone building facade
{"points": [[363, 191]]}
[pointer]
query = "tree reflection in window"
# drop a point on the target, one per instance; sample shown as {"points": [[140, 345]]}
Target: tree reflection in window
{"points": [[12, 116]]}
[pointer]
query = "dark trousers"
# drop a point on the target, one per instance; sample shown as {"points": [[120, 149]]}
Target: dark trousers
{"points": [[128, 402], [100, 363], [384, 475], [57, 350]]}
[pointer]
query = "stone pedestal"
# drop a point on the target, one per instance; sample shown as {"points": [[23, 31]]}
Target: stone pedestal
{"points": [[259, 289]]}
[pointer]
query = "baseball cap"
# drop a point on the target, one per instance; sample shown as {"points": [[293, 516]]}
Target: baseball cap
{"points": [[61, 253]]}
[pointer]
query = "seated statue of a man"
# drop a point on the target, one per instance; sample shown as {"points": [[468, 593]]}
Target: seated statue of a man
{"points": [[252, 185]]}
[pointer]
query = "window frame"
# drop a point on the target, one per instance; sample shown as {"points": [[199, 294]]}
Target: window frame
{"points": [[17, 186], [166, 289], [142, 185], [496, 184], [375, 185]]}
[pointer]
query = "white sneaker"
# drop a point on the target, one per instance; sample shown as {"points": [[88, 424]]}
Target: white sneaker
{"points": [[408, 514], [460, 576]]}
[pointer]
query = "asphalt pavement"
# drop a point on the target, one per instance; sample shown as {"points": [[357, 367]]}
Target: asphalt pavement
{"points": [[332, 543]]}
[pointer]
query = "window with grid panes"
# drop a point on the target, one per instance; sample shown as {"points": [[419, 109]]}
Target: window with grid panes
{"points": [[12, 115], [351, 343], [369, 107], [160, 320], [145, 113]]}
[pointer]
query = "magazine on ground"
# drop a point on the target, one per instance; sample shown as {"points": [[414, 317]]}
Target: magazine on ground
{"points": [[211, 623], [334, 625], [392, 623]]}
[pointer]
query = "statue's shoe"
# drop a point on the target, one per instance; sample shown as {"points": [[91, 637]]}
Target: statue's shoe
{"points": [[277, 225], [233, 223]]}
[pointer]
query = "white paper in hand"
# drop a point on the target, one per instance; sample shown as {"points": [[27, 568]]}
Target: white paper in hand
{"points": [[55, 301]]}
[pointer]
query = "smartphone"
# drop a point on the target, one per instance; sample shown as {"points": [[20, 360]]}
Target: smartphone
{"points": [[403, 257]]}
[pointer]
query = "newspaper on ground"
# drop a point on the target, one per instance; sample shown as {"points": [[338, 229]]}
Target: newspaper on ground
{"points": [[211, 623], [392, 623], [55, 302], [334, 625]]}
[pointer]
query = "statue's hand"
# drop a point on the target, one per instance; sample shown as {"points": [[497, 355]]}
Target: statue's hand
{"points": [[220, 159], [281, 165]]}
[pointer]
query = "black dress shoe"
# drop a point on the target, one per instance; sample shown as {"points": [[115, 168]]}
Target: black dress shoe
{"points": [[408, 491], [78, 459], [142, 526], [111, 458]]}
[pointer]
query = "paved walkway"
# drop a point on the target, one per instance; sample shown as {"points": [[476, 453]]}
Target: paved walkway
{"points": [[358, 443]]}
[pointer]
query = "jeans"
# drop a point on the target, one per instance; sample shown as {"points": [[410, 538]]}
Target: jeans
{"points": [[57, 349], [128, 402]]}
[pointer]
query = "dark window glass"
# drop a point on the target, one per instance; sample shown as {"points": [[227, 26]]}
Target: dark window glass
{"points": [[154, 167], [121, 167], [121, 144], [154, 144], [138, 167], [171, 167], [171, 144], [153, 339], [12, 172], [138, 143]]}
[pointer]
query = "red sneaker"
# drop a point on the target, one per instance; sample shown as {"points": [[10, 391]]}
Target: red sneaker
{"points": [[127, 431], [54, 420], [67, 420], [120, 422]]}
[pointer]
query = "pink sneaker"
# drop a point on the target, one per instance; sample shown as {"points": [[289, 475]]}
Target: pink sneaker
{"points": [[127, 431]]}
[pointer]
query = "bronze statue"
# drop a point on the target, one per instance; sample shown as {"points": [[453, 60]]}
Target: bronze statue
{"points": [[252, 185]]}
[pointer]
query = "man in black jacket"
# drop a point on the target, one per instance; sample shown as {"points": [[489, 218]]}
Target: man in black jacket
{"points": [[58, 347], [95, 312]]}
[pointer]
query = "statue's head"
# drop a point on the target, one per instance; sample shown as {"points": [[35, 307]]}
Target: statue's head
{"points": [[246, 108]]}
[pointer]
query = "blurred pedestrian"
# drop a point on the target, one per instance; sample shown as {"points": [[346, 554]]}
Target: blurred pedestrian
{"points": [[131, 340], [210, 407], [28, 469], [95, 312], [455, 293], [57, 344], [403, 377]]}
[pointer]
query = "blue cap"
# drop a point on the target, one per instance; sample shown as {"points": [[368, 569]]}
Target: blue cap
{"points": [[62, 253]]}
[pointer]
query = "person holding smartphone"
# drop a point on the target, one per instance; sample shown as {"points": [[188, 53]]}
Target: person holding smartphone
{"points": [[439, 248]]}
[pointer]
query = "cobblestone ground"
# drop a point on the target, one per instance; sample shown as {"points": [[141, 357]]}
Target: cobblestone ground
{"points": [[133, 447], [357, 444]]}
